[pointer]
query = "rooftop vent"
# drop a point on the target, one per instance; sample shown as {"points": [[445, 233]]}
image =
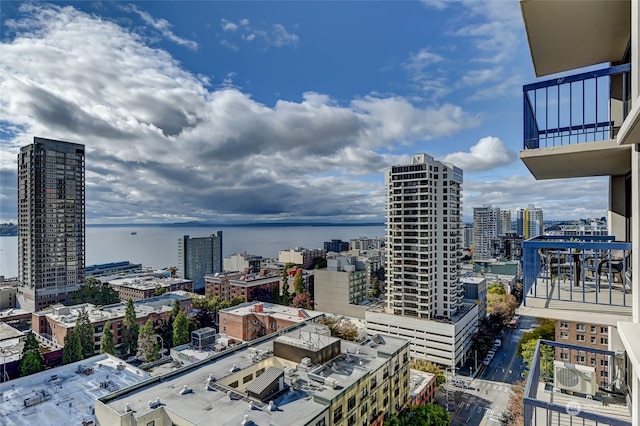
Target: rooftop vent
{"points": [[127, 407], [245, 420], [251, 406], [211, 379], [234, 368], [155, 404], [185, 390], [272, 406]]}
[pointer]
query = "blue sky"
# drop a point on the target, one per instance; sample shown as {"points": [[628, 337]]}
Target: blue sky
{"points": [[245, 111]]}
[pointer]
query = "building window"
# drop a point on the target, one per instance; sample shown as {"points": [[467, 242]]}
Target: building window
{"points": [[579, 358], [564, 324], [580, 338], [593, 328], [604, 330], [564, 335], [321, 423], [604, 373], [337, 414], [352, 420], [604, 341], [593, 339], [604, 363], [580, 327], [248, 378], [363, 410], [351, 403]]}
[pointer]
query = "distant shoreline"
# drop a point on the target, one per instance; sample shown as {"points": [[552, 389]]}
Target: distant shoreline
{"points": [[221, 225]]}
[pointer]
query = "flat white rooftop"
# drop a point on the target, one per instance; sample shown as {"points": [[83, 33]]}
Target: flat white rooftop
{"points": [[67, 399]]}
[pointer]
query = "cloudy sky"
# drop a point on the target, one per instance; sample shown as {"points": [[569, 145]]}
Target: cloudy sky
{"points": [[266, 111]]}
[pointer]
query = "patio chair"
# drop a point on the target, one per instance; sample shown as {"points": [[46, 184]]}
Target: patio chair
{"points": [[616, 265], [554, 264]]}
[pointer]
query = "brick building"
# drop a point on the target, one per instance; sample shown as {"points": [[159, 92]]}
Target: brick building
{"points": [[56, 322], [253, 320], [423, 387], [146, 286], [251, 287], [589, 336]]}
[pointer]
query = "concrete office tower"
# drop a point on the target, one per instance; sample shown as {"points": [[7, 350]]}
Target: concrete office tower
{"points": [[486, 227], [505, 222], [198, 257], [530, 222], [51, 222], [424, 238]]}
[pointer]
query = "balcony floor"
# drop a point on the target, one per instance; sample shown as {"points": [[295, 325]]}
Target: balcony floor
{"points": [[562, 295], [613, 407]]}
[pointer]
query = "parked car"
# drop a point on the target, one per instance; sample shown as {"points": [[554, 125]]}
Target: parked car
{"points": [[498, 342], [486, 361]]}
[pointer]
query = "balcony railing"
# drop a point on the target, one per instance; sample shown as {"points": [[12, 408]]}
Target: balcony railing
{"points": [[575, 385], [580, 108], [591, 270]]}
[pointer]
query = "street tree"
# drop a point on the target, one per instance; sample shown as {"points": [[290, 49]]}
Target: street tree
{"points": [[107, 341], [181, 329], [429, 367], [32, 359], [84, 329], [130, 329], [72, 350], [298, 283], [303, 300], [148, 349]]}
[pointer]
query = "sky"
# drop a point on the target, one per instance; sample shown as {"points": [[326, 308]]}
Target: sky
{"points": [[236, 112]]}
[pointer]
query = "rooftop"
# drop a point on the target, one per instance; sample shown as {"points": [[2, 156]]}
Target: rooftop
{"points": [[63, 395], [419, 379], [147, 282], [276, 311], [201, 391]]}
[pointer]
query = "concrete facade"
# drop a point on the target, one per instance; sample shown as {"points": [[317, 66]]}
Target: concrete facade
{"points": [[341, 287], [301, 256], [144, 287], [250, 287], [199, 256]]}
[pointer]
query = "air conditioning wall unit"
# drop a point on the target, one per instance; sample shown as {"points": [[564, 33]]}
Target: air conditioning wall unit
{"points": [[575, 378]]}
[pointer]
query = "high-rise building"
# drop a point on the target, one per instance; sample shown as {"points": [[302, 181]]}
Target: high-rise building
{"points": [[586, 57], [505, 222], [530, 222], [51, 222], [486, 227], [424, 238], [198, 257], [424, 255]]}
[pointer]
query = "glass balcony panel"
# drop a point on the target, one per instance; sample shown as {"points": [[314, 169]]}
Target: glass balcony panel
{"points": [[591, 271]]}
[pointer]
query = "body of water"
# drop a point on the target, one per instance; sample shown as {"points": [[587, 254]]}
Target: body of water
{"points": [[157, 247]]}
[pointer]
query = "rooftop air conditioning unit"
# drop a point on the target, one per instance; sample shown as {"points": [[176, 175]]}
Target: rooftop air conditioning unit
{"points": [[575, 378]]}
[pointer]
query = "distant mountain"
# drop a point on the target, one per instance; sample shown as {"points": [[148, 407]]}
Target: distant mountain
{"points": [[8, 230]]}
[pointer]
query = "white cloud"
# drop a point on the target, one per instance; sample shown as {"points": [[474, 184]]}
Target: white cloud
{"points": [[490, 152], [153, 130], [228, 25], [164, 27]]}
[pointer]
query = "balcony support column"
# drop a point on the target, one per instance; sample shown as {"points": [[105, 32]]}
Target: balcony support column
{"points": [[635, 233]]}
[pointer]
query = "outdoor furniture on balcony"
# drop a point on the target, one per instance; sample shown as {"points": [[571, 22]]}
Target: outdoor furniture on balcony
{"points": [[581, 273]]}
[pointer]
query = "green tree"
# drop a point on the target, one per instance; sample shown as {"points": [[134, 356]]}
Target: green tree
{"points": [[30, 364], [130, 329], [420, 415], [148, 349], [319, 263], [175, 310], [298, 283], [32, 359], [514, 414], [545, 330], [107, 341], [375, 288], [173, 271], [159, 290], [72, 350], [237, 300], [429, 367], [496, 288], [285, 296], [84, 329], [181, 330], [546, 357]]}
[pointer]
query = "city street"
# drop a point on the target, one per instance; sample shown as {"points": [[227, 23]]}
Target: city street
{"points": [[487, 396]]}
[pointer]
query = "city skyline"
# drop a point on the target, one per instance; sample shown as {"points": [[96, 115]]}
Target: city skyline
{"points": [[274, 112]]}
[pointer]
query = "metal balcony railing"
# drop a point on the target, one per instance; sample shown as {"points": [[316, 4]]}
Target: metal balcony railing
{"points": [[584, 269], [575, 385], [580, 108]]}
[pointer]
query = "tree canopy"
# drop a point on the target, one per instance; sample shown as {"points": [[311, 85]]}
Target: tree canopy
{"points": [[420, 415], [429, 367], [107, 341], [32, 359], [181, 329], [84, 329], [148, 349], [96, 293], [72, 350], [303, 300], [298, 283], [130, 329]]}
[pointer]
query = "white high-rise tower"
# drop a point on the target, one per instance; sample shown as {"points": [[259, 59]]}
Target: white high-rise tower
{"points": [[424, 238]]}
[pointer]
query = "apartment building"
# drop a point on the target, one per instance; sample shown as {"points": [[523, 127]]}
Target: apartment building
{"points": [[595, 131], [250, 321], [505, 222], [336, 246], [366, 243], [301, 256], [242, 262], [56, 322], [51, 222], [593, 336], [146, 286], [199, 256], [303, 377], [530, 222], [113, 268], [250, 287], [424, 253], [486, 228], [341, 287]]}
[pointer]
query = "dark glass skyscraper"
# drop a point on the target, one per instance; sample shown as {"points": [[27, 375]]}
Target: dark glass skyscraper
{"points": [[51, 222]]}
